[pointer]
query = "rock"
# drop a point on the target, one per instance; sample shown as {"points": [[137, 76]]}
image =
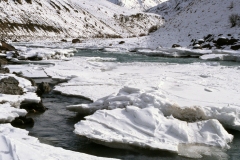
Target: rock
{"points": [[7, 47], [4, 70], [222, 41], [43, 87], [19, 1], [63, 40], [176, 45], [35, 58], [29, 1], [121, 42], [235, 47], [207, 46], [38, 107], [3, 61], [22, 121], [76, 40], [10, 86], [232, 41], [17, 122], [208, 38]]}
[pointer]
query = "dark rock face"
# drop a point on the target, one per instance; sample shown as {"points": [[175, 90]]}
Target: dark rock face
{"points": [[22, 121], [29, 1], [43, 88], [121, 42], [176, 45], [222, 41], [235, 47], [10, 86], [63, 40], [33, 107], [76, 41], [207, 46], [7, 47]]}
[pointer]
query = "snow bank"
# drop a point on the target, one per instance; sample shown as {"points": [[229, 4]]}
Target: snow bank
{"points": [[9, 113], [42, 53], [148, 128], [16, 144]]}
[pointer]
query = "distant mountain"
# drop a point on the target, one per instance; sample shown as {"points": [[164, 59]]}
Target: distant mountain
{"points": [[71, 18], [137, 4]]}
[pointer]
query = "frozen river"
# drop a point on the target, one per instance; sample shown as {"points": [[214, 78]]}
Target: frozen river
{"points": [[56, 125]]}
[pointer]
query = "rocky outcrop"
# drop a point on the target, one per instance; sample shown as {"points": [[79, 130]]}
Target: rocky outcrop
{"points": [[10, 86], [216, 42], [7, 47], [43, 87], [76, 40]]}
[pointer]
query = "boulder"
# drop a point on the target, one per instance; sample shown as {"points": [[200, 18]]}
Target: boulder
{"points": [[22, 121], [232, 41], [8, 47], [235, 47], [176, 45], [43, 87], [63, 40], [76, 40], [121, 42], [207, 46], [37, 107], [222, 41], [10, 86]]}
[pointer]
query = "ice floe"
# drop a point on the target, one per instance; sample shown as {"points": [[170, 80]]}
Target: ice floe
{"points": [[17, 144], [132, 127], [228, 115]]}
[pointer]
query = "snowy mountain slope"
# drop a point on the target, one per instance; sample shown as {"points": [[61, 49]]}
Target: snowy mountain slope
{"points": [[70, 18], [137, 4], [196, 19], [192, 19]]}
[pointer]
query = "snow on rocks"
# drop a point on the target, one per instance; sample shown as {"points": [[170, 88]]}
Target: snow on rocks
{"points": [[17, 144], [10, 104], [133, 127]]}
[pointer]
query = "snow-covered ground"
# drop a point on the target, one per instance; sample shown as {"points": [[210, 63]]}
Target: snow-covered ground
{"points": [[137, 4], [17, 144]]}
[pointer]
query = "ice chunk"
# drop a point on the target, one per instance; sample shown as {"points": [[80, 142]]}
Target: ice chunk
{"points": [[133, 127]]}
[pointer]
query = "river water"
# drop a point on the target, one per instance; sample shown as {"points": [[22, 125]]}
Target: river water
{"points": [[56, 125]]}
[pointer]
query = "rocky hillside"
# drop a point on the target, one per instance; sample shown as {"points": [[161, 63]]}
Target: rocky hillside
{"points": [[23, 19]]}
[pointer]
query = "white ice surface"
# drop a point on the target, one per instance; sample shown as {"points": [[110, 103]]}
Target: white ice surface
{"points": [[9, 113], [148, 128], [16, 144]]}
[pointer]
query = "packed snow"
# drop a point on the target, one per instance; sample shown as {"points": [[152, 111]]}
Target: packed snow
{"points": [[17, 144]]}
